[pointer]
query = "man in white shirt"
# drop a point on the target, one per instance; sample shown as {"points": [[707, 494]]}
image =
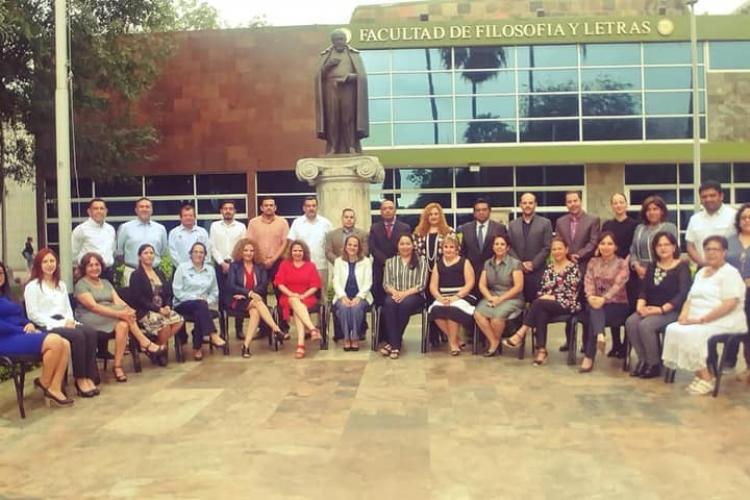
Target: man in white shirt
{"points": [[183, 237], [312, 229], [95, 235], [223, 236], [132, 234], [716, 219]]}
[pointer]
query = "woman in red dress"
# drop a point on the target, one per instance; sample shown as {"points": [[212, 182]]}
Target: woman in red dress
{"points": [[299, 281]]}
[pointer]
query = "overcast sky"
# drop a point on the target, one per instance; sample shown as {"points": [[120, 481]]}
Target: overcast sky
{"points": [[296, 12]]}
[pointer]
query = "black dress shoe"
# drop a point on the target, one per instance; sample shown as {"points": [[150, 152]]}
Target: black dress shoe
{"points": [[612, 352], [651, 372], [639, 367], [240, 336]]}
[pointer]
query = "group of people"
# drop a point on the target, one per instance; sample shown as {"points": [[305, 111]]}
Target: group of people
{"points": [[621, 272]]}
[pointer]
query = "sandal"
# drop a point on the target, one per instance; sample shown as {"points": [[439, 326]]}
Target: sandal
{"points": [[394, 354], [386, 350], [216, 345], [513, 345], [601, 342], [541, 356], [119, 374], [300, 352], [315, 334], [455, 352], [279, 336], [198, 355]]}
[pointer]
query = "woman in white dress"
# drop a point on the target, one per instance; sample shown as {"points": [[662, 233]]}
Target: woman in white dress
{"points": [[715, 305]]}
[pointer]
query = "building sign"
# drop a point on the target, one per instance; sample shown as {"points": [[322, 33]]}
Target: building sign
{"points": [[517, 32]]}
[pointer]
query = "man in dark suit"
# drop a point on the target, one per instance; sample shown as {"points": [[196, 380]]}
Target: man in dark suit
{"points": [[580, 231], [530, 237], [382, 242], [478, 235], [336, 237]]}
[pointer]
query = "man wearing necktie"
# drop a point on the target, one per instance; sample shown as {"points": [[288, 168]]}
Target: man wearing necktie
{"points": [[382, 243], [478, 235]]}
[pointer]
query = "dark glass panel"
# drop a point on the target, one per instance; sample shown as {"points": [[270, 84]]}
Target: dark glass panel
{"points": [[547, 56], [51, 208], [477, 132], [53, 234], [421, 109], [463, 219], [669, 53], [553, 216], [379, 85], [611, 104], [487, 176], [672, 103], [483, 57], [651, 174], [120, 186], [496, 199], [380, 110], [549, 131], [212, 206], [169, 224], [686, 173], [169, 185], [79, 209], [741, 195], [685, 218], [281, 181], [82, 189], [547, 198], [547, 106], [618, 129], [730, 55], [637, 196], [672, 128], [485, 107], [611, 79], [670, 78], [408, 84], [419, 200], [720, 172], [121, 208], [553, 175], [289, 206], [485, 82], [742, 173], [610, 54], [376, 60], [380, 135], [561, 80], [388, 181], [686, 196], [170, 207], [424, 178], [410, 219], [221, 183], [421, 59], [423, 133]]}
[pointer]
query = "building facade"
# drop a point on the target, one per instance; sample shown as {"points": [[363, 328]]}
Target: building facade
{"points": [[491, 98]]}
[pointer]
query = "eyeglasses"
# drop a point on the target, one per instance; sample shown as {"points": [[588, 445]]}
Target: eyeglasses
{"points": [[713, 249]]}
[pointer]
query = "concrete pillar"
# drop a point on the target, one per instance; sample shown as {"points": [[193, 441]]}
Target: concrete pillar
{"points": [[342, 181], [602, 181]]}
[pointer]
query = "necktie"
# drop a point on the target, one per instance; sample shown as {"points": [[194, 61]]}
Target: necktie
{"points": [[388, 230], [480, 236]]}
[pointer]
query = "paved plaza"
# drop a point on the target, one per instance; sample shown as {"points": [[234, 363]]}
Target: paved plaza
{"points": [[356, 425]]}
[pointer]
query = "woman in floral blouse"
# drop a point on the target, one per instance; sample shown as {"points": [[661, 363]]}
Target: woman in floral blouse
{"points": [[558, 295]]}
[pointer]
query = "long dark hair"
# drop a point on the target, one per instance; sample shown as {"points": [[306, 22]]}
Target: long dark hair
{"points": [[5, 287], [414, 261]]}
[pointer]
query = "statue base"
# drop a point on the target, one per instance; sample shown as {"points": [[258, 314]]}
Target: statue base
{"points": [[342, 181]]}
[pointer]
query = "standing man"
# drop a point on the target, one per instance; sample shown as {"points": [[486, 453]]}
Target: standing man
{"points": [[132, 234], [335, 239], [716, 219], [312, 229], [183, 237], [530, 237], [580, 231], [478, 235], [382, 242], [95, 235], [223, 236], [270, 232]]}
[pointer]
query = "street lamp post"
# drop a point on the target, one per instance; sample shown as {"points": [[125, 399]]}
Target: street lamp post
{"points": [[696, 106], [62, 141]]}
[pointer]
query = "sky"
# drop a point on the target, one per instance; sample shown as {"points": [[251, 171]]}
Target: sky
{"points": [[301, 12]]}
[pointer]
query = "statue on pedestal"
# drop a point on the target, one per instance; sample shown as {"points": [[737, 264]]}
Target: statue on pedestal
{"points": [[341, 113]]}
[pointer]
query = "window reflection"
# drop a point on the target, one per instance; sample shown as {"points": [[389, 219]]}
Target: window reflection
{"points": [[650, 174], [485, 82], [730, 55], [418, 178], [555, 175], [615, 129], [378, 85], [376, 61], [406, 84], [672, 128], [477, 132], [380, 110], [669, 53], [547, 56], [619, 54], [380, 135], [549, 131], [551, 105], [548, 80], [670, 78], [611, 105], [487, 176], [421, 59], [487, 107], [611, 79], [423, 133], [672, 103], [423, 108]]}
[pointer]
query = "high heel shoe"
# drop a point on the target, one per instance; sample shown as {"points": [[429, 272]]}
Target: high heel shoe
{"points": [[38, 383], [507, 342], [541, 356], [50, 398], [153, 355], [120, 377], [279, 336], [492, 352], [82, 393], [245, 351]]}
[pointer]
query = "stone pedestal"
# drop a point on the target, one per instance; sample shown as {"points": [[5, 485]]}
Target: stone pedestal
{"points": [[342, 181]]}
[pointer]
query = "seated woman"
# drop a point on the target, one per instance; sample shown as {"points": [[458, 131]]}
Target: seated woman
{"points": [[558, 294], [715, 304], [451, 283], [607, 297], [404, 281], [18, 337], [247, 285], [48, 307], [299, 281], [151, 295], [196, 291], [352, 280], [103, 310], [663, 291], [737, 256], [501, 285]]}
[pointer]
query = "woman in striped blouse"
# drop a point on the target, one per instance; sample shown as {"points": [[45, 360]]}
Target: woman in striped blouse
{"points": [[404, 283]]}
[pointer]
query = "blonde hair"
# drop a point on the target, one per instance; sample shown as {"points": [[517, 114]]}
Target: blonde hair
{"points": [[424, 225]]}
